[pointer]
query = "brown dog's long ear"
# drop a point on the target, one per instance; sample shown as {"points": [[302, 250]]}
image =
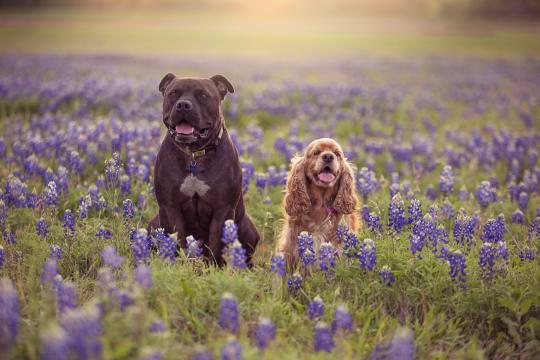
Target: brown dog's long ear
{"points": [[297, 200], [165, 81], [346, 200], [223, 85]]}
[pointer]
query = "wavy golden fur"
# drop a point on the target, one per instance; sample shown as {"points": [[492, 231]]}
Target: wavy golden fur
{"points": [[320, 193]]}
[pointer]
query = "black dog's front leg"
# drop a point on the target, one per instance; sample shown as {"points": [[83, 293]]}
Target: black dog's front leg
{"points": [[214, 236], [172, 221]]}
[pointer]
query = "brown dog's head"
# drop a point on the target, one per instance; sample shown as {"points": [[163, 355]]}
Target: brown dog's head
{"points": [[323, 166], [191, 107]]}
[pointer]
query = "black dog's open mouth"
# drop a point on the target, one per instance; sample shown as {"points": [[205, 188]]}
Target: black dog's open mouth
{"points": [[326, 175], [185, 132]]}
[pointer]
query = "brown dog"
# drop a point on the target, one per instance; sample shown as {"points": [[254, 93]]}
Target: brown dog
{"points": [[197, 176], [320, 193]]}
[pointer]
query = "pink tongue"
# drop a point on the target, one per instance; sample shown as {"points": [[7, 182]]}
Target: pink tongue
{"points": [[326, 177], [184, 129]]}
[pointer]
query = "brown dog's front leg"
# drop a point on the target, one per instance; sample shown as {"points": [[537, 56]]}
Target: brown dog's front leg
{"points": [[214, 236]]}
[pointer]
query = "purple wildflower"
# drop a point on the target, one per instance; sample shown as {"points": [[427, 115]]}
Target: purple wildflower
{"points": [[327, 256], [9, 315], [69, 223], [236, 255], [387, 275], [305, 248], [315, 309], [456, 260], [66, 296], [50, 195], [342, 319], [463, 194], [54, 344], [367, 256], [232, 350], [446, 180], [401, 346], [49, 271], [230, 232], [84, 328], [396, 214], [266, 332], [158, 326], [518, 217], [55, 252], [42, 228], [2, 256], [494, 230], [278, 265], [295, 282], [485, 194], [228, 313], [140, 245], [125, 185], [323, 338], [415, 211], [194, 249], [143, 276], [527, 254], [128, 209], [110, 257], [167, 247]]}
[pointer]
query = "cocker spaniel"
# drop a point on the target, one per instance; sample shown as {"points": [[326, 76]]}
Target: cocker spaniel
{"points": [[320, 193]]}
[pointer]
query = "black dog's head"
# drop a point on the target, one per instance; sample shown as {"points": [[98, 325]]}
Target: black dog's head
{"points": [[191, 107]]}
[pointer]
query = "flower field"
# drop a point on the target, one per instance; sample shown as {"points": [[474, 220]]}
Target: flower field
{"points": [[446, 154]]}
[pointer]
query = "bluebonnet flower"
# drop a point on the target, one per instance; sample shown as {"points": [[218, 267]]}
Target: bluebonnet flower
{"points": [[158, 326], [236, 255], [446, 180], [416, 245], [366, 182], [374, 224], [322, 338], [128, 210], [232, 350], [295, 282], [9, 236], [502, 251], [494, 230], [401, 346], [85, 204], [523, 201], [486, 259], [350, 244], [69, 223], [104, 233], [447, 210], [84, 328], [50, 195], [2, 256], [141, 202], [112, 169], [9, 315], [266, 332], [66, 296], [194, 249], [278, 265], [167, 247], [42, 228], [202, 353], [228, 313], [485, 194], [463, 194], [110, 257], [315, 309], [518, 217], [430, 192], [62, 180], [394, 189], [54, 343], [527, 254], [327, 256], [141, 245], [365, 216], [415, 211], [56, 252], [3, 214], [396, 214], [125, 185], [305, 248], [457, 260], [342, 319], [143, 276], [230, 232], [367, 256], [534, 228], [342, 230], [387, 275], [50, 269], [464, 228]]}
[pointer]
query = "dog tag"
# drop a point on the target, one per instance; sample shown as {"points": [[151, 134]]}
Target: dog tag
{"points": [[192, 167]]}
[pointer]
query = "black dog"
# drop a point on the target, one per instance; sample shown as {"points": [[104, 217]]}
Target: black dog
{"points": [[197, 177]]}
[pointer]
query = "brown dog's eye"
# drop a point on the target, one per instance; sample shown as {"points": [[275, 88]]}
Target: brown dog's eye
{"points": [[317, 152], [338, 155]]}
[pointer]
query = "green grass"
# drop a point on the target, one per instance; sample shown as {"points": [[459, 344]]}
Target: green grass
{"points": [[224, 33]]}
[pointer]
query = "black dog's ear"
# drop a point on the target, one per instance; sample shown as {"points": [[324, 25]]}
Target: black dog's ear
{"points": [[223, 85], [165, 81]]}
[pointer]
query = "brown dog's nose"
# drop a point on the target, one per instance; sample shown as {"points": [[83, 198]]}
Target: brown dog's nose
{"points": [[184, 105], [328, 158]]}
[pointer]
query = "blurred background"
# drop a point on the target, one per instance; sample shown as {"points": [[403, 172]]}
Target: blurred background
{"points": [[272, 29]]}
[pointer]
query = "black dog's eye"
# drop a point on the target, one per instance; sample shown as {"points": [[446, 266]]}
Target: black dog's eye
{"points": [[204, 96], [317, 152], [172, 93]]}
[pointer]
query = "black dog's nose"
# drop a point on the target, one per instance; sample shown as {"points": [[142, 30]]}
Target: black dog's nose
{"points": [[184, 105], [328, 158]]}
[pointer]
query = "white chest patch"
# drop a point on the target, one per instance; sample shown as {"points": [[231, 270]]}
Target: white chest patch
{"points": [[193, 185]]}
